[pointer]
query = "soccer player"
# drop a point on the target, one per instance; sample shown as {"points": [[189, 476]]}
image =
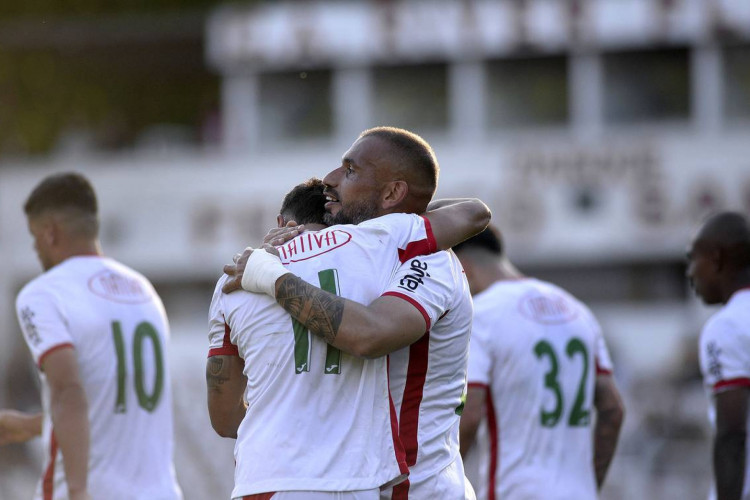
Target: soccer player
{"points": [[537, 365], [719, 270], [352, 432], [98, 332], [423, 318]]}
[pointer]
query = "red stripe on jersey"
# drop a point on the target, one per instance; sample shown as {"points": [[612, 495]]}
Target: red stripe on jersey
{"points": [[259, 496], [733, 383], [420, 247], [227, 348], [48, 480], [398, 446], [416, 374], [401, 491], [51, 350], [430, 235], [600, 370], [413, 302], [494, 457]]}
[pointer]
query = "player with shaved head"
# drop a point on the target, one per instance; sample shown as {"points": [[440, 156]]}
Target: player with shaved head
{"points": [[347, 418]]}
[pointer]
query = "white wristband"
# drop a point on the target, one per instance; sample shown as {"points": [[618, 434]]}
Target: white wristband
{"points": [[261, 272]]}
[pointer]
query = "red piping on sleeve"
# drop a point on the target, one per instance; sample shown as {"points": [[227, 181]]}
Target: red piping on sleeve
{"points": [[227, 348], [416, 304], [51, 350], [723, 385]]}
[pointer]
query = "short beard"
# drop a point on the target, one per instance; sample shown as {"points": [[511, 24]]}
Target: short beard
{"points": [[355, 213]]}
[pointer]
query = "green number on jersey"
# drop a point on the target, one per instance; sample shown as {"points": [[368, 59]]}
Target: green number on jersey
{"points": [[550, 418], [143, 331], [579, 415], [329, 281]]}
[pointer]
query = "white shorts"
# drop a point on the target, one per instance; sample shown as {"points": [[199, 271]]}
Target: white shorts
{"points": [[449, 483], [316, 495]]}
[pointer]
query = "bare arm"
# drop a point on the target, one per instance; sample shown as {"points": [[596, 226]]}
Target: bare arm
{"points": [[19, 427], [457, 219], [730, 442], [474, 411], [225, 384], [69, 412], [609, 416], [384, 326], [453, 221]]}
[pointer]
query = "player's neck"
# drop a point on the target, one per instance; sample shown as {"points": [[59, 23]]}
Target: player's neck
{"points": [[79, 248], [507, 271], [739, 281], [501, 270]]}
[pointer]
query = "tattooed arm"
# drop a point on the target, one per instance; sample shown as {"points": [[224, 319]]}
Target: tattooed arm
{"points": [[387, 324], [609, 416], [225, 383]]}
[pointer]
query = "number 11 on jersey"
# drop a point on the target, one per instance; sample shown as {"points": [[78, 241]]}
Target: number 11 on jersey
{"points": [[329, 281]]}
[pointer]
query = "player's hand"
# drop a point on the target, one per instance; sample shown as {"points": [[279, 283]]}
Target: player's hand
{"points": [[280, 235], [235, 271], [18, 427], [270, 249]]}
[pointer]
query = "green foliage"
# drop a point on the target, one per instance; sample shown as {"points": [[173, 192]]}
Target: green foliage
{"points": [[66, 8], [112, 93]]}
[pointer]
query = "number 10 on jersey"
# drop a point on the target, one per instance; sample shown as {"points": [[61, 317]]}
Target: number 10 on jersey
{"points": [[145, 331]]}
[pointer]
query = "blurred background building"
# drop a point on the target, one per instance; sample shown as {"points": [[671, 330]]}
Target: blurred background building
{"points": [[600, 132]]}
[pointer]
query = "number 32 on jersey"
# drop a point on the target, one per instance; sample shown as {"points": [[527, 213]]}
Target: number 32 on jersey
{"points": [[579, 415]]}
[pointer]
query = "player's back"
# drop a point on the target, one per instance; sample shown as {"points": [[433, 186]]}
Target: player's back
{"points": [[325, 416], [541, 343], [118, 327]]}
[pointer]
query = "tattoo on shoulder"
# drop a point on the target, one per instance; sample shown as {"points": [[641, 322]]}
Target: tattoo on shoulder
{"points": [[318, 310]]}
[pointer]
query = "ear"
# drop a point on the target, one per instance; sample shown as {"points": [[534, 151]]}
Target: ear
{"points": [[52, 232], [280, 221], [394, 193]]}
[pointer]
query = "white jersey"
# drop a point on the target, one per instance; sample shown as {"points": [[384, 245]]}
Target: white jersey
{"points": [[725, 357], [317, 419], [536, 350], [428, 378], [116, 323]]}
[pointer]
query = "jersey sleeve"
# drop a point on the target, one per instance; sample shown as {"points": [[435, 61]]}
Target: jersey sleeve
{"points": [[724, 355], [426, 282], [479, 370], [43, 323], [219, 340], [602, 358], [412, 234]]}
